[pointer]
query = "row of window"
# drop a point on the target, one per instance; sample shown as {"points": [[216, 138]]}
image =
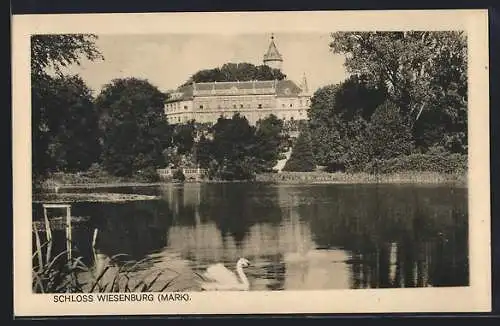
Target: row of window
{"points": [[241, 106], [175, 105], [282, 117], [226, 104]]}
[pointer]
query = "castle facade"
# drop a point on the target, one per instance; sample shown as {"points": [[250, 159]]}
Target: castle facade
{"points": [[206, 102]]}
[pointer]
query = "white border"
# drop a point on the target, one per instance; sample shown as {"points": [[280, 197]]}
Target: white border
{"points": [[475, 298]]}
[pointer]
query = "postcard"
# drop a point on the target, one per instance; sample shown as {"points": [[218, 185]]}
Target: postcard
{"points": [[251, 163]]}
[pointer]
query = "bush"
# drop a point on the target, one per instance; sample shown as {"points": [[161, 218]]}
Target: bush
{"points": [[150, 175], [301, 159], [178, 175], [97, 172], [441, 162]]}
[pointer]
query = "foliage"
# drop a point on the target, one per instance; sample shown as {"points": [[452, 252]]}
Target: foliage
{"points": [[60, 276], [65, 133], [364, 177], [134, 128], [407, 93], [178, 175], [183, 137], [233, 148], [442, 163], [55, 275], [148, 174], [203, 152], [339, 117], [416, 67], [55, 51], [387, 135], [95, 171], [270, 142], [50, 96], [236, 72], [301, 159], [237, 151]]}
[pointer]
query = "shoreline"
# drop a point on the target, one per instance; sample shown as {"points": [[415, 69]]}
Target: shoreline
{"points": [[365, 178], [303, 178]]}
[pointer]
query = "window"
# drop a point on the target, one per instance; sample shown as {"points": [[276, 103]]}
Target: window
{"points": [[241, 105], [234, 106], [291, 104], [185, 107], [260, 106], [283, 105], [201, 106]]}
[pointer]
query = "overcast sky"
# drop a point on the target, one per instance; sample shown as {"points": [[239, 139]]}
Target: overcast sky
{"points": [[168, 60]]}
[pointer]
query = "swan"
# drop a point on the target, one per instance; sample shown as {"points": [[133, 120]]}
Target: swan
{"points": [[221, 278]]}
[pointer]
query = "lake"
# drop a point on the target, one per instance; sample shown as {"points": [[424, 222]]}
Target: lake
{"points": [[297, 237]]}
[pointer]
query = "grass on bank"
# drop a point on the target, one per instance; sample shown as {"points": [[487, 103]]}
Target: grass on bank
{"points": [[57, 275], [361, 177]]}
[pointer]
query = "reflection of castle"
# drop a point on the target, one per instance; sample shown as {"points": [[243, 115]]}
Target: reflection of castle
{"points": [[206, 102], [284, 254], [285, 247]]}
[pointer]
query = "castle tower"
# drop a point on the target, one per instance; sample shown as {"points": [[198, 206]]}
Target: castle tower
{"points": [[273, 58], [303, 85]]}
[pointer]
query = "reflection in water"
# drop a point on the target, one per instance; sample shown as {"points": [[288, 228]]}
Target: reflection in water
{"points": [[297, 237]]}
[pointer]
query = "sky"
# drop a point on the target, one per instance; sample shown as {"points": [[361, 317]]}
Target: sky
{"points": [[168, 60]]}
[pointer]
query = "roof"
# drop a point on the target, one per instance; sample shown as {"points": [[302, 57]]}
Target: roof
{"points": [[287, 88], [280, 88], [272, 53], [239, 85]]}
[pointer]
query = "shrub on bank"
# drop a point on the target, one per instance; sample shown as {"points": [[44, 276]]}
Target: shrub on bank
{"points": [[96, 174], [178, 175], [147, 175], [440, 163]]}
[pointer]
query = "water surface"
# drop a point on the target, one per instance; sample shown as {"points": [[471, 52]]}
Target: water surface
{"points": [[298, 237]]}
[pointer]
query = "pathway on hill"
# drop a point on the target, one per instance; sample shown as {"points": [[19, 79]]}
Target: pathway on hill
{"points": [[281, 163]]}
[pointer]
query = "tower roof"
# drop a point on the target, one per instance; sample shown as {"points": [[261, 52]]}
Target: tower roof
{"points": [[272, 53]]}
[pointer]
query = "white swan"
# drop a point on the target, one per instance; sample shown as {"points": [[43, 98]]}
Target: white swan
{"points": [[221, 279]]}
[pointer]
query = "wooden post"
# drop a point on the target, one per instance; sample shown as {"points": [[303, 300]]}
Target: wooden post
{"points": [[48, 232], [94, 240], [68, 232], [38, 248]]}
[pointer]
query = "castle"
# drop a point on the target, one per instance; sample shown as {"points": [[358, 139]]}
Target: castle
{"points": [[206, 102]]}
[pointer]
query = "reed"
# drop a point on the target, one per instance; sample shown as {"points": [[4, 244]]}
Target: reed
{"points": [[58, 275]]}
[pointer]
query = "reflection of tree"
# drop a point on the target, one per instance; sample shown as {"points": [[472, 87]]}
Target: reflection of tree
{"points": [[135, 229], [235, 208], [276, 272], [429, 242]]}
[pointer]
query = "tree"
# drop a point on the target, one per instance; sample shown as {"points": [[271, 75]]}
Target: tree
{"points": [[69, 139], [337, 120], [134, 128], [269, 140], [233, 148], [301, 159], [387, 134], [236, 72], [49, 54], [183, 137], [203, 152], [414, 66], [52, 52]]}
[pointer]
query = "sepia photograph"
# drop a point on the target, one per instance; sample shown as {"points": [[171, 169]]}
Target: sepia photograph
{"points": [[169, 164]]}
